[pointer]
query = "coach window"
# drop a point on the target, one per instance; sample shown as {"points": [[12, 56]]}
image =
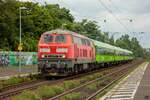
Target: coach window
{"points": [[100, 50], [77, 40], [60, 39], [48, 38], [88, 42], [83, 41]]}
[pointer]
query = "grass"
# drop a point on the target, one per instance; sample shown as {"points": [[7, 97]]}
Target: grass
{"points": [[14, 81], [1, 85], [70, 84], [49, 91], [72, 96], [45, 91], [90, 77], [27, 95], [91, 87], [13, 67]]}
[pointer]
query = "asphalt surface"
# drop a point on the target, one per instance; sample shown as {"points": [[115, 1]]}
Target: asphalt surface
{"points": [[5, 72], [143, 92], [127, 88]]}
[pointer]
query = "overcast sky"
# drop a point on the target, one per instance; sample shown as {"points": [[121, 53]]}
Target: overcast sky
{"points": [[117, 18]]}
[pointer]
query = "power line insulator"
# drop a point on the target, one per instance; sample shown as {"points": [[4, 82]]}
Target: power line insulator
{"points": [[131, 20], [105, 20]]}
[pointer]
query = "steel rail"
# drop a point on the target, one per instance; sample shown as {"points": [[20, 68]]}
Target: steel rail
{"points": [[16, 89], [87, 83], [108, 85]]}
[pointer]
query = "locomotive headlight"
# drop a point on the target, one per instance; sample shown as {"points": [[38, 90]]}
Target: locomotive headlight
{"points": [[62, 50], [42, 56], [44, 49], [63, 56]]}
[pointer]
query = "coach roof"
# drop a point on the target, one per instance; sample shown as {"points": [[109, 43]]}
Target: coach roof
{"points": [[111, 47]]}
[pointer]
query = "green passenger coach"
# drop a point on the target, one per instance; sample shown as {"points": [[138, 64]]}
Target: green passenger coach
{"points": [[106, 53]]}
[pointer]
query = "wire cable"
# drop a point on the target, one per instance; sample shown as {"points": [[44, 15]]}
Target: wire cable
{"points": [[114, 6], [110, 11]]}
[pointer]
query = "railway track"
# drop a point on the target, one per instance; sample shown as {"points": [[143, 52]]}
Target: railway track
{"points": [[10, 91], [6, 88], [105, 82], [15, 90]]}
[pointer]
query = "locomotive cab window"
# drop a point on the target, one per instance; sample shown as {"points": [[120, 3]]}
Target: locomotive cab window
{"points": [[60, 39], [48, 38]]}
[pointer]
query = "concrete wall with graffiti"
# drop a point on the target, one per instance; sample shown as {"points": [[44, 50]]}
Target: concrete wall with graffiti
{"points": [[13, 58]]}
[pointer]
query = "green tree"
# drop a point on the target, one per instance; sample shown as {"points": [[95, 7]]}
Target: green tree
{"points": [[130, 44], [35, 20]]}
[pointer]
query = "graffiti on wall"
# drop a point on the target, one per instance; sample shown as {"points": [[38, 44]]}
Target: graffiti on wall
{"points": [[14, 58], [4, 59]]}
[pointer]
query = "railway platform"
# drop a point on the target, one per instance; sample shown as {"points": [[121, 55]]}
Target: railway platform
{"points": [[8, 72], [143, 92], [136, 86]]}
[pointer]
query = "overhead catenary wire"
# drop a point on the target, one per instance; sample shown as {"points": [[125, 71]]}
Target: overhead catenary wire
{"points": [[110, 11], [115, 6], [117, 19]]}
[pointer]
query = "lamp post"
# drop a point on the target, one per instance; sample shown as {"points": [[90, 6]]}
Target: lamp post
{"points": [[20, 31]]}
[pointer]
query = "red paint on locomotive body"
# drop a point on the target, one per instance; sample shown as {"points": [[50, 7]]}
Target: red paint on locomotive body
{"points": [[75, 46], [55, 47]]}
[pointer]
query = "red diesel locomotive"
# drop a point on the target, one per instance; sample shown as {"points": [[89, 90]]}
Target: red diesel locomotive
{"points": [[64, 52]]}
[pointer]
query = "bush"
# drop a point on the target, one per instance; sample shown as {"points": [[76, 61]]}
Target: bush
{"points": [[27, 95], [72, 96], [70, 84], [45, 91]]}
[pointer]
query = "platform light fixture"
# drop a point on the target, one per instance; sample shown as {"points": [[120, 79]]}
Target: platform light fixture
{"points": [[20, 32]]}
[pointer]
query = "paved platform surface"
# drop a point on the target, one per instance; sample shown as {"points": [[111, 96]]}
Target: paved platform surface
{"points": [[7, 72], [143, 92], [126, 89]]}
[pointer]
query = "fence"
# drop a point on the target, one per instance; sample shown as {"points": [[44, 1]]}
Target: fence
{"points": [[13, 58]]}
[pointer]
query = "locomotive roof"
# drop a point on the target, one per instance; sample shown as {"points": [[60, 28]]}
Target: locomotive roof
{"points": [[61, 31]]}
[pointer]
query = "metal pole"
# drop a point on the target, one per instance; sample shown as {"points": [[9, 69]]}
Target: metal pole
{"points": [[20, 39]]}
